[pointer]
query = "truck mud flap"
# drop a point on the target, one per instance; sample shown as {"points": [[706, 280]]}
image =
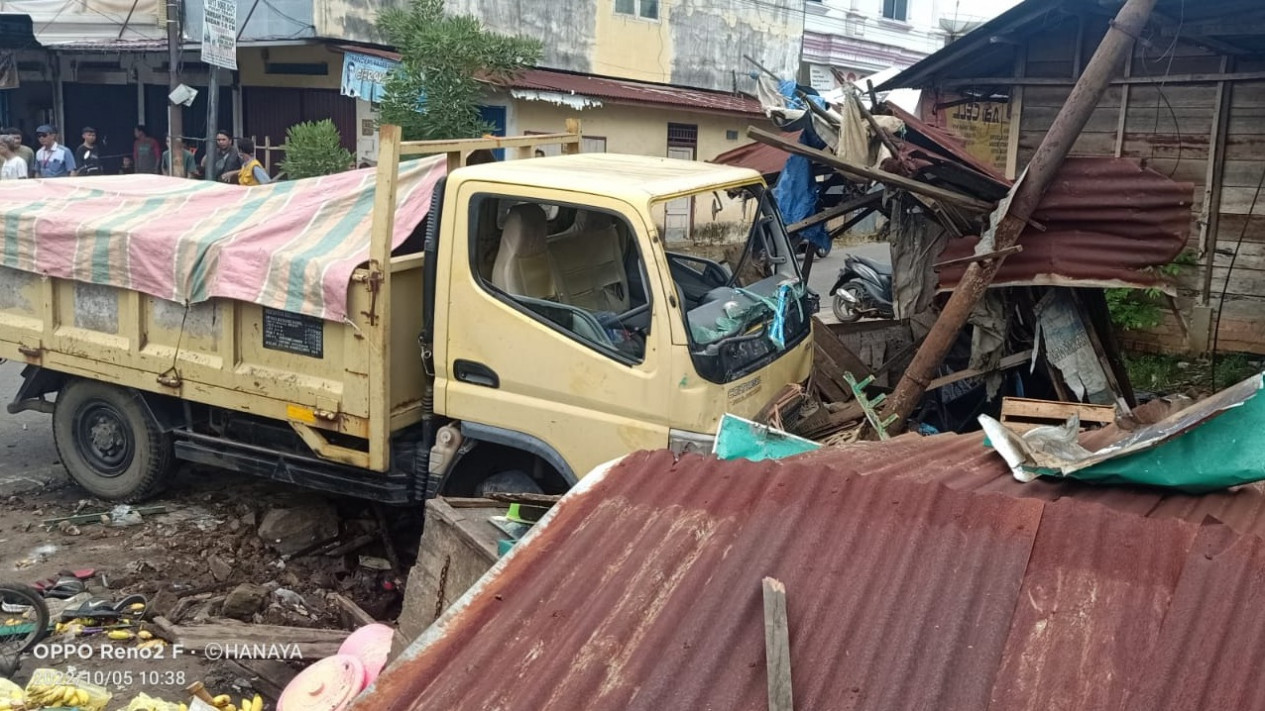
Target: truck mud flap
{"points": [[395, 488]]}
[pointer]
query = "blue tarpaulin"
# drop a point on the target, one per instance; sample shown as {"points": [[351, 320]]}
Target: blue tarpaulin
{"points": [[796, 190]]}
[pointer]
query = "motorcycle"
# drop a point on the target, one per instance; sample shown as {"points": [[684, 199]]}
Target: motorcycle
{"points": [[864, 288]]}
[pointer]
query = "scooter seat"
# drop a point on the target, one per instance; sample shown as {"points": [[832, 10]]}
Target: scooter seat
{"points": [[878, 267]]}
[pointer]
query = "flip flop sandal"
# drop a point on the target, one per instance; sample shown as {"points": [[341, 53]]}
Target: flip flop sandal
{"points": [[65, 588], [102, 609]]}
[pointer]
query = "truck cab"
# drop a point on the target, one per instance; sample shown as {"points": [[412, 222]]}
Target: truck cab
{"points": [[565, 328]]}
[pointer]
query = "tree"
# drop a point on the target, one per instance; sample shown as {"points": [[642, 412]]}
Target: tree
{"points": [[314, 148], [436, 90]]}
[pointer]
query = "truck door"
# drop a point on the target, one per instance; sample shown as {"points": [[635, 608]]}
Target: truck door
{"points": [[555, 325]]}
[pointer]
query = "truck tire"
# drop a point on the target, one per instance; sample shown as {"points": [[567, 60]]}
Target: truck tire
{"points": [[511, 481], [109, 442]]}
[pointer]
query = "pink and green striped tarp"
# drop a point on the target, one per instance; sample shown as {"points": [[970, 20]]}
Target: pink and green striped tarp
{"points": [[291, 245]]}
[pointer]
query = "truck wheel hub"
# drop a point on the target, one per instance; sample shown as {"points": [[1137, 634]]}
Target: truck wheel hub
{"points": [[104, 439]]}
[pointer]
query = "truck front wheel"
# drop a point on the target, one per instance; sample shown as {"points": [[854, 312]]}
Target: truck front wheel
{"points": [[109, 442]]}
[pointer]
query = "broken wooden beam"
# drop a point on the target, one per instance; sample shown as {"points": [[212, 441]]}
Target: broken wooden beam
{"points": [[777, 646], [837, 211], [1006, 363], [219, 633], [1015, 249], [866, 173]]}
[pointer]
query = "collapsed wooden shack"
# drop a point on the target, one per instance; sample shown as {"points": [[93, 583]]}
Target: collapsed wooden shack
{"points": [[1043, 329], [1187, 102]]}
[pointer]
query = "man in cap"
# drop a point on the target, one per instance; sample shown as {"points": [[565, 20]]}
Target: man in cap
{"points": [[52, 160], [24, 151], [88, 155]]}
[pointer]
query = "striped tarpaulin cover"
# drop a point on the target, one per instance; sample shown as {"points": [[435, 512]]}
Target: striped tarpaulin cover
{"points": [[291, 245]]}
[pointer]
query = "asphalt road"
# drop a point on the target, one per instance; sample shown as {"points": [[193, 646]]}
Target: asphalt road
{"points": [[28, 457], [826, 270]]}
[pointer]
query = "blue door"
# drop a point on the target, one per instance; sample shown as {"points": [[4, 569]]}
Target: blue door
{"points": [[495, 115]]}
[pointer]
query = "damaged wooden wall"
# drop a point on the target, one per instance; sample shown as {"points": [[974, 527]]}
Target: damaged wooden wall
{"points": [[1189, 112]]}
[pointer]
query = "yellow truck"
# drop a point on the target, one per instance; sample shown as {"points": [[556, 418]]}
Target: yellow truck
{"points": [[529, 327]]}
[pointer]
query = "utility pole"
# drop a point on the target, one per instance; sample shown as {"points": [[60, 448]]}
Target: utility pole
{"points": [[175, 112], [1024, 199]]}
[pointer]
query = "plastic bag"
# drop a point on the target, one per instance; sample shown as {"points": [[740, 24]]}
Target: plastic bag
{"points": [[144, 702]]}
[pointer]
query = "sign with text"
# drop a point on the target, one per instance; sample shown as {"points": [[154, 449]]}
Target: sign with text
{"points": [[365, 76], [219, 33], [985, 126]]}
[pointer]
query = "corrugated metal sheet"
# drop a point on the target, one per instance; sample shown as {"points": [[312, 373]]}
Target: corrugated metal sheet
{"points": [[1212, 646], [622, 90], [614, 89], [641, 591], [760, 157], [1107, 221]]}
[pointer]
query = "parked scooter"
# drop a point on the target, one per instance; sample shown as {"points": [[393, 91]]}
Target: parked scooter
{"points": [[864, 288]]}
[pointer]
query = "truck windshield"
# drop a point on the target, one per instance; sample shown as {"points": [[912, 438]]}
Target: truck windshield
{"points": [[745, 302]]}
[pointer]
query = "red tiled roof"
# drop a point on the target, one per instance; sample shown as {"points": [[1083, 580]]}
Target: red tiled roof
{"points": [[641, 590]]}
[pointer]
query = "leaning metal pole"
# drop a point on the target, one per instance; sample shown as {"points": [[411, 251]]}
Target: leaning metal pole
{"points": [[1013, 215]]}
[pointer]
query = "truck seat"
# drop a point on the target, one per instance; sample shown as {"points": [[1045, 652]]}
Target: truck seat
{"points": [[522, 264], [588, 263]]}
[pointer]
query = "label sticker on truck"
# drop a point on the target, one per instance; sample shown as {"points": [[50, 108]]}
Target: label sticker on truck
{"points": [[742, 391], [294, 333]]}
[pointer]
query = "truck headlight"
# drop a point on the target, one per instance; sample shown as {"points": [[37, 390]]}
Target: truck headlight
{"points": [[682, 442]]}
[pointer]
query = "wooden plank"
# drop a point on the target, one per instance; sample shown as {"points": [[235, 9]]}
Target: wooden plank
{"points": [[839, 351], [1016, 407], [827, 376], [1017, 109], [1006, 363], [777, 646], [866, 173], [466, 145], [836, 211], [353, 612], [1122, 113], [312, 644]]}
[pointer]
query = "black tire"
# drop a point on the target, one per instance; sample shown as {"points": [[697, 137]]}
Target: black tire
{"points": [[22, 605], [511, 481], [109, 441], [843, 311]]}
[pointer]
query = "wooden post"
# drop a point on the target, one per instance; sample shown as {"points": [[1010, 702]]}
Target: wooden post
{"points": [[573, 127], [777, 646], [1016, 114], [378, 328], [1123, 121]]}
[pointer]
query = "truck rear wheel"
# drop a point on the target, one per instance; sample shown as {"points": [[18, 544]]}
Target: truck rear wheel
{"points": [[109, 441]]}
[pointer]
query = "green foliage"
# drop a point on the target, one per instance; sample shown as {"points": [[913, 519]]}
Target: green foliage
{"points": [[1168, 373], [314, 148], [1140, 310], [1134, 310], [443, 59]]}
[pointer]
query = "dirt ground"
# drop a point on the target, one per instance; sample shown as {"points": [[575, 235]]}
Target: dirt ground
{"points": [[185, 561]]}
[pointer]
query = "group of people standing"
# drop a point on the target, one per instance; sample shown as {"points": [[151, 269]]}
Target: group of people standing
{"points": [[230, 161]]}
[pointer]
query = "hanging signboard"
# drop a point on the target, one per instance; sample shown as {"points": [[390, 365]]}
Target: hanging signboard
{"points": [[985, 125], [219, 33], [365, 76]]}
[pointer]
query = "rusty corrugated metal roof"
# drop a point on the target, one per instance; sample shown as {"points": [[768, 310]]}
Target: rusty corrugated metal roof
{"points": [[612, 88], [641, 590], [627, 91], [760, 157], [1108, 222]]}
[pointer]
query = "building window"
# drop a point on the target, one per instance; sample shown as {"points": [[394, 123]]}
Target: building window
{"points": [[896, 9], [593, 144], [648, 9]]}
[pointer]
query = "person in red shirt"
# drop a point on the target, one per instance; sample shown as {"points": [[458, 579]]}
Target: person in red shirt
{"points": [[146, 153]]}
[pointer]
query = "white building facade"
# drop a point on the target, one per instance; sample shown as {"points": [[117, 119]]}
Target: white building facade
{"points": [[858, 38]]}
